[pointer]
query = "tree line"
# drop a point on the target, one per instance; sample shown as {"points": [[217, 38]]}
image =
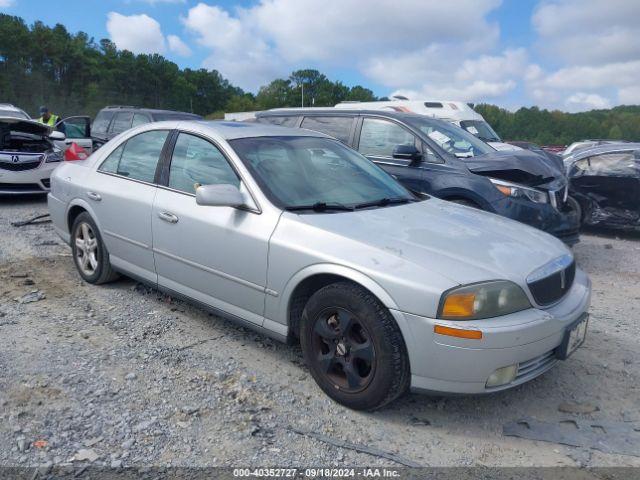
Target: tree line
{"points": [[546, 127], [74, 75]]}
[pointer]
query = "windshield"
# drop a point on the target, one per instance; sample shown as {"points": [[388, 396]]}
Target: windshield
{"points": [[159, 117], [480, 129], [450, 138], [310, 171]]}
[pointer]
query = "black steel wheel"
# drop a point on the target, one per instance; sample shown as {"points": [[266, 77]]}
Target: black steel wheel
{"points": [[353, 347]]}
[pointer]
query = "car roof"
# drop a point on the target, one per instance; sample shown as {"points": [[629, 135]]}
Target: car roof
{"points": [[607, 148], [233, 130], [148, 110], [339, 112]]}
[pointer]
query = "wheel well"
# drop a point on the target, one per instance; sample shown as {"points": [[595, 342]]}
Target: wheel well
{"points": [[303, 292], [73, 214]]}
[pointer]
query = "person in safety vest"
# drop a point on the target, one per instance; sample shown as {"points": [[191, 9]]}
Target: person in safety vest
{"points": [[50, 119]]}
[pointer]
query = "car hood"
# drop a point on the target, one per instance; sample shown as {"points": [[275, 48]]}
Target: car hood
{"points": [[25, 126], [461, 244], [520, 166]]}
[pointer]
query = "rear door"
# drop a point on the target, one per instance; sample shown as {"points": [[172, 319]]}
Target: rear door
{"points": [[122, 196], [611, 183], [340, 127], [121, 123]]}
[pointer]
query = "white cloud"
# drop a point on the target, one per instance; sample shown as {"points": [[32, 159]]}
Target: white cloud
{"points": [[177, 46], [136, 33], [154, 2], [587, 101], [7, 3], [252, 45], [596, 43]]}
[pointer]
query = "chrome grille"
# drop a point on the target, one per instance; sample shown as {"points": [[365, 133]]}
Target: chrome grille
{"points": [[552, 281]]}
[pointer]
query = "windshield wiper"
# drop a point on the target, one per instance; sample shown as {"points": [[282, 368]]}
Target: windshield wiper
{"points": [[383, 202], [320, 207]]}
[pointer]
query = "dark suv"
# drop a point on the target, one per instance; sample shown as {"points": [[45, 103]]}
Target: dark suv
{"points": [[114, 120], [434, 157]]}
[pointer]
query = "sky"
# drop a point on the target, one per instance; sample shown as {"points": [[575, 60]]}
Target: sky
{"points": [[571, 55]]}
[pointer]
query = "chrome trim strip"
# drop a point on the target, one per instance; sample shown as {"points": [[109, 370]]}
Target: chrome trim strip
{"points": [[554, 266], [218, 273], [128, 240]]}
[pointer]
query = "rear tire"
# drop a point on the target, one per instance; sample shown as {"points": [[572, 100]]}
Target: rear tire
{"points": [[89, 251], [353, 347]]}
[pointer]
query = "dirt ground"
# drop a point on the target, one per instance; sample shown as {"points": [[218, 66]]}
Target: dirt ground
{"points": [[122, 375]]}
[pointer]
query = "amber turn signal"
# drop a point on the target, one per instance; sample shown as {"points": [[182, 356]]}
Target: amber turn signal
{"points": [[459, 305], [458, 332]]}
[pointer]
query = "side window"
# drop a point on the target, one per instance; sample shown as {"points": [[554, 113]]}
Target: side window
{"points": [[614, 164], [380, 137], [196, 162], [282, 121], [337, 127], [139, 119], [110, 164], [138, 157], [101, 123], [121, 122]]}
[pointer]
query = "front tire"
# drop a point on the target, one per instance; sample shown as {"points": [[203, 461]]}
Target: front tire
{"points": [[353, 347], [89, 251]]}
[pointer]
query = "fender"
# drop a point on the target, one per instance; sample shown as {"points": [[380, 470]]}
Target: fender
{"points": [[80, 202], [282, 310]]}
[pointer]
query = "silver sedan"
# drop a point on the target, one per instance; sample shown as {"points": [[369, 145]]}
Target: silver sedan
{"points": [[294, 234]]}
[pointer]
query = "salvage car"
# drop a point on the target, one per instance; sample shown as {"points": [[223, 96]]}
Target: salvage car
{"points": [[434, 157], [605, 181], [296, 235], [28, 154]]}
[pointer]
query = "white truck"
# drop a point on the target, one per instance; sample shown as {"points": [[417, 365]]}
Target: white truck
{"points": [[458, 113]]}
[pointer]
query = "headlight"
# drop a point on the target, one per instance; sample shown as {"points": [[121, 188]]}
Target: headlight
{"points": [[520, 191], [482, 300], [54, 156]]}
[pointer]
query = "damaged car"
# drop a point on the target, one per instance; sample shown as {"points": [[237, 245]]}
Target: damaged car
{"points": [[605, 182], [28, 154], [434, 157]]}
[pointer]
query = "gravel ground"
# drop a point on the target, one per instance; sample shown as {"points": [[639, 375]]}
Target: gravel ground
{"points": [[123, 375]]}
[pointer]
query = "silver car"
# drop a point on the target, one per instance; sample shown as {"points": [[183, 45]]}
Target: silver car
{"points": [[294, 234]]}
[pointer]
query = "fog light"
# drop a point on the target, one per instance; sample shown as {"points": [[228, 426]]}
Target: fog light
{"points": [[502, 376]]}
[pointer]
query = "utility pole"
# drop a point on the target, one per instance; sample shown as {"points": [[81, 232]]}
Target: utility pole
{"points": [[302, 105]]}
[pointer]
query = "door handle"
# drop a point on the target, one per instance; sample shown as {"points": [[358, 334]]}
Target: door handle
{"points": [[168, 217], [94, 196]]}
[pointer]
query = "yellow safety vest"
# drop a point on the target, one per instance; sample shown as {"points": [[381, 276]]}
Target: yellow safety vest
{"points": [[53, 119]]}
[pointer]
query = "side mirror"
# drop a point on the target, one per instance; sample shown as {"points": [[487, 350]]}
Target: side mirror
{"points": [[220, 196], [56, 135], [407, 152]]}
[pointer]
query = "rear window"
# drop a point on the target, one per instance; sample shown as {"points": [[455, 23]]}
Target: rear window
{"points": [[101, 122], [121, 123], [336, 127], [279, 120]]}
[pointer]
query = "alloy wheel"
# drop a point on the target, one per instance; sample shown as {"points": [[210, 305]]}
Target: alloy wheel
{"points": [[343, 350], [86, 244]]}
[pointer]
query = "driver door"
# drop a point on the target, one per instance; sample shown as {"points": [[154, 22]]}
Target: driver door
{"points": [[215, 255], [78, 131]]}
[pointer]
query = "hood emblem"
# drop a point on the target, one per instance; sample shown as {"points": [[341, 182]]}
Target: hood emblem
{"points": [[15, 158]]}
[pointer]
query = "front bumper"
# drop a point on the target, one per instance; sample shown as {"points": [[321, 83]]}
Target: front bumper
{"points": [[529, 338], [562, 223], [27, 182]]}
